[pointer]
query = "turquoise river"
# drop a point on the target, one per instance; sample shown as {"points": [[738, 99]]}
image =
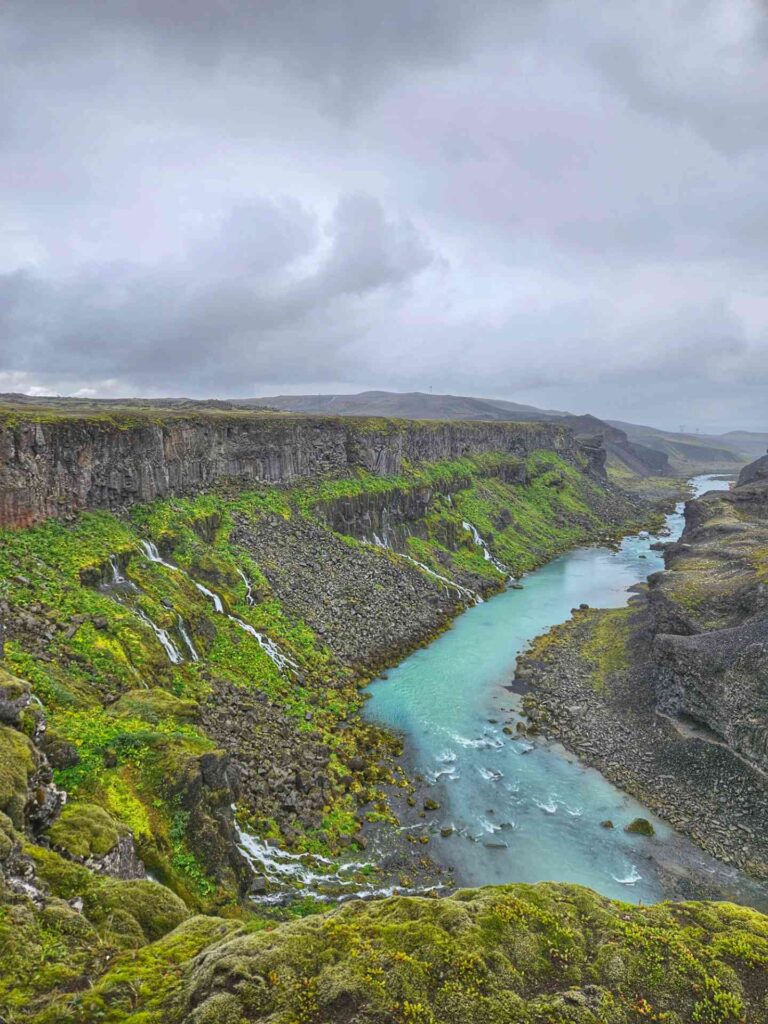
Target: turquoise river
{"points": [[523, 811]]}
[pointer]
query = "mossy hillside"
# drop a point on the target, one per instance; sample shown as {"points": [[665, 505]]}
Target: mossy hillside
{"points": [[557, 508], [133, 719], [82, 650], [529, 954], [661, 490]]}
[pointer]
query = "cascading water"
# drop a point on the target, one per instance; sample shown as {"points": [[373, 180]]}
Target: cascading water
{"points": [[150, 550], [270, 648], [481, 543], [469, 595], [248, 588], [169, 646], [183, 632], [117, 577], [218, 604], [292, 875]]}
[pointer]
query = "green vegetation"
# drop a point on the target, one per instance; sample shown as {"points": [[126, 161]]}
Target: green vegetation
{"points": [[129, 739], [640, 827], [603, 638], [84, 830], [663, 490], [17, 763], [606, 644], [545, 954]]}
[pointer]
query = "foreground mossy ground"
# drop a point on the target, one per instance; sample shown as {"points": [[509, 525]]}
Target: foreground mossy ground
{"points": [[536, 954]]}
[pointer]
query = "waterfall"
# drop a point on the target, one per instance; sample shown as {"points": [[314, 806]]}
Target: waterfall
{"points": [[270, 648], [481, 543], [150, 550], [188, 640], [470, 595], [117, 576], [248, 588], [218, 604], [168, 645]]}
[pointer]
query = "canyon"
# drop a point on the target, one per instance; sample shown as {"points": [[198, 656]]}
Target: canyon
{"points": [[192, 603]]}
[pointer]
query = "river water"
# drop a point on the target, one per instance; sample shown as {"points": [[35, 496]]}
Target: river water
{"points": [[523, 812]]}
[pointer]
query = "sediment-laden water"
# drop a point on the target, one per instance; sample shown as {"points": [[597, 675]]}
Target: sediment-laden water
{"points": [[519, 811]]}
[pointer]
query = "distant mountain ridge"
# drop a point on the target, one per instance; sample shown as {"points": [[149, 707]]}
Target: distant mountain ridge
{"points": [[407, 405]]}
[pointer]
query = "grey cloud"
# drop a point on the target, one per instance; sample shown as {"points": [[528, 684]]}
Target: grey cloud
{"points": [[347, 49], [237, 299], [555, 203]]}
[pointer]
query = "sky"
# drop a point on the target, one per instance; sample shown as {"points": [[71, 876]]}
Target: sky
{"points": [[559, 204]]}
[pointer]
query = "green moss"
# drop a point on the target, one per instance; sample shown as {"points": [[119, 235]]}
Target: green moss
{"points": [[606, 646], [84, 830], [17, 763], [640, 827], [132, 912], [526, 954]]}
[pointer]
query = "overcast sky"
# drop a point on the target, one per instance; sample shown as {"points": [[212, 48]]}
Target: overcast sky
{"points": [[558, 203]]}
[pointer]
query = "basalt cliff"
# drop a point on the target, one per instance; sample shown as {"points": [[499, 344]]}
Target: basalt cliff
{"points": [[53, 465]]}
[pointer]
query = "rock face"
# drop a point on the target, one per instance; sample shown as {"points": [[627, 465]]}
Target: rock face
{"points": [[757, 470], [61, 465], [709, 615]]}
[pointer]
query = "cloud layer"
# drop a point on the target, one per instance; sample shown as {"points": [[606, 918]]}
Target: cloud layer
{"points": [[558, 204]]}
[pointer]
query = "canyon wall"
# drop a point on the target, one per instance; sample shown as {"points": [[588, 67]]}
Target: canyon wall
{"points": [[57, 466], [709, 613]]}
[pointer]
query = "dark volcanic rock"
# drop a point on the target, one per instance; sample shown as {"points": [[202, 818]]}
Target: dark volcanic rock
{"points": [[757, 470]]}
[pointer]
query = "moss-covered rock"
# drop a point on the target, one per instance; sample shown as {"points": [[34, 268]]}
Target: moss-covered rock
{"points": [[130, 912], [84, 830], [544, 954], [18, 761], [640, 827]]}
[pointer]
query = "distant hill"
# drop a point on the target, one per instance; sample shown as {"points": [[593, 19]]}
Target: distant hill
{"points": [[687, 453], [412, 405], [748, 441], [633, 448]]}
